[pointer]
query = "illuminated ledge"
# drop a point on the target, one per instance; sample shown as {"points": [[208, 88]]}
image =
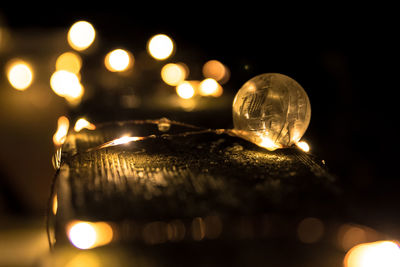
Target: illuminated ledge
{"points": [[189, 183]]}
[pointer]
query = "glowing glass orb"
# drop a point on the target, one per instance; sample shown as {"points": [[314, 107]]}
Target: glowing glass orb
{"points": [[82, 235], [185, 90], [160, 46], [20, 75], [118, 60], [271, 110], [81, 35], [69, 61]]}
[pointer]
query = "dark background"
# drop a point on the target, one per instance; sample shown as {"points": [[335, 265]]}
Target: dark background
{"points": [[344, 57]]}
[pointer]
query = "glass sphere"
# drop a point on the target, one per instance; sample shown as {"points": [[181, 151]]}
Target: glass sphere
{"points": [[271, 110]]}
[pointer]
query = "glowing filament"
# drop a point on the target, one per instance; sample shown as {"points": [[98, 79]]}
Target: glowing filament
{"points": [[303, 145], [82, 123], [86, 235], [81, 35], [160, 46], [62, 131], [20, 75], [121, 141], [118, 60]]}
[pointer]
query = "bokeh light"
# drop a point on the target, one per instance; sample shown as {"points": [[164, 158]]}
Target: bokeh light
{"points": [[81, 35], [66, 84], [86, 235], [62, 131], [173, 74], [118, 60], [375, 254], [160, 46], [19, 74], [216, 70], [69, 61], [310, 230], [185, 90], [210, 87]]}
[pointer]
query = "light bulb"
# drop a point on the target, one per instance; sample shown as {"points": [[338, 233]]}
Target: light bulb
{"points": [[271, 110]]}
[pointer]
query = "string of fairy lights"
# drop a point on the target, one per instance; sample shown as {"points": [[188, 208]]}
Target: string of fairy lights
{"points": [[364, 247]]}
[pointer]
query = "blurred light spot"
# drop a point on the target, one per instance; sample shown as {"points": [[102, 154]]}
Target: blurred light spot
{"points": [[81, 35], [173, 74], [351, 235], [69, 61], [185, 90], [216, 70], [303, 145], [55, 205], [19, 74], [155, 233], [85, 235], [160, 46], [62, 131], [86, 259], [310, 230], [82, 123], [176, 230], [376, 254], [118, 60], [210, 87], [66, 84], [198, 228], [213, 226]]}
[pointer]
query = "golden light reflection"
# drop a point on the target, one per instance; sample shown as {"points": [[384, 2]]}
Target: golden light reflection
{"points": [[19, 74], [160, 46], [185, 90], [173, 74], [66, 84], [82, 123], [375, 254], [176, 230], [210, 87], [267, 143], [118, 60], [198, 228], [310, 230], [86, 259], [62, 131], [81, 35], [55, 205], [86, 235], [303, 145], [216, 70]]}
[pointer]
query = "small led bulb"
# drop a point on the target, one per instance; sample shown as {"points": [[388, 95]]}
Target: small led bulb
{"points": [[271, 110]]}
